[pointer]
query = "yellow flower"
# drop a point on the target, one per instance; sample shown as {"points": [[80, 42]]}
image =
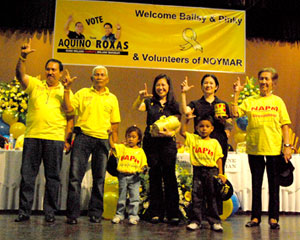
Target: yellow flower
{"points": [[188, 196]]}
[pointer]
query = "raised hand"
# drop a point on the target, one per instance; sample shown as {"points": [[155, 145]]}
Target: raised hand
{"points": [[68, 80], [144, 93], [26, 49], [237, 86], [190, 115], [185, 85]]}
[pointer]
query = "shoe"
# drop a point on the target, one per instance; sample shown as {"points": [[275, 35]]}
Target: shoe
{"points": [[193, 226], [174, 221], [116, 220], [252, 224], [274, 226], [94, 219], [22, 218], [50, 218], [217, 227], [133, 221], [72, 221], [154, 220]]}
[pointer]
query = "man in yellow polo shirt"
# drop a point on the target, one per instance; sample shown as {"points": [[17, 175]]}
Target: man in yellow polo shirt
{"points": [[46, 124], [98, 112]]}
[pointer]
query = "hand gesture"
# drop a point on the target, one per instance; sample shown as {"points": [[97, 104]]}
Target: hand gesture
{"points": [[190, 115], [118, 26], [237, 86], [68, 80], [70, 18], [26, 49], [185, 86], [144, 93]]}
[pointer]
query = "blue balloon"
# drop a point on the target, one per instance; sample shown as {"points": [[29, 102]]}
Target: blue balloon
{"points": [[235, 203], [4, 128], [242, 122]]}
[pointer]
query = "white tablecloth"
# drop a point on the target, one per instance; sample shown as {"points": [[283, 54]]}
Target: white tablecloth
{"points": [[238, 172], [10, 177]]}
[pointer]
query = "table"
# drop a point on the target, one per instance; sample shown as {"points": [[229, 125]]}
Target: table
{"points": [[237, 171], [10, 178]]}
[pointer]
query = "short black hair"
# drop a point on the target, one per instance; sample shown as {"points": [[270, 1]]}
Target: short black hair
{"points": [[78, 23], [205, 117], [61, 66], [134, 128], [109, 24]]}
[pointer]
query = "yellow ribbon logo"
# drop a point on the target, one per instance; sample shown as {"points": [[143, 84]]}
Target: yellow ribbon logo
{"points": [[190, 36]]}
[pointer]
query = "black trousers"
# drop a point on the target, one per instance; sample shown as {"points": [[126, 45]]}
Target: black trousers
{"points": [[257, 166], [161, 156], [204, 191]]}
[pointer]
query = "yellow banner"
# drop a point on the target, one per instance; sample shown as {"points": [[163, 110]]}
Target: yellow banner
{"points": [[149, 36]]}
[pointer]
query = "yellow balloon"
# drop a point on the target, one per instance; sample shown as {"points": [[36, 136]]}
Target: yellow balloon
{"points": [[227, 209], [110, 200], [20, 142], [111, 184], [17, 129], [9, 116], [239, 137]]}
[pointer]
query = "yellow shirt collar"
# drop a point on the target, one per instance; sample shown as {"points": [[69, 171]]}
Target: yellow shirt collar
{"points": [[104, 93]]}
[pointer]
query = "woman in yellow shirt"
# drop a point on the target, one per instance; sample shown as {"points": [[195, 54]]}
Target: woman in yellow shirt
{"points": [[268, 122]]}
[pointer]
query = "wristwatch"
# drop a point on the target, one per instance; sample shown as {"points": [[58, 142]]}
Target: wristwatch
{"points": [[287, 145]]}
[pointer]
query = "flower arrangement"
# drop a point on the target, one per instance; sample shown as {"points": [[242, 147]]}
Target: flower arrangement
{"points": [[185, 182], [12, 97], [250, 89]]}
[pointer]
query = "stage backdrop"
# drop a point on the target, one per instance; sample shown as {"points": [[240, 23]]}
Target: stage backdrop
{"points": [[151, 36]]}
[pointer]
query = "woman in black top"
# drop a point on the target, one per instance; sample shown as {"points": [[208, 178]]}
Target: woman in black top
{"points": [[206, 106], [161, 151]]}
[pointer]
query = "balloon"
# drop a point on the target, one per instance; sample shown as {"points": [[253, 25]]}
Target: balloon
{"points": [[239, 137], [235, 203], [9, 116], [110, 200], [111, 184], [4, 128], [17, 129], [242, 122], [227, 209], [20, 142]]}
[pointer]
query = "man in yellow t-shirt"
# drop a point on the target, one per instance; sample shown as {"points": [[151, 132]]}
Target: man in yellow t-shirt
{"points": [[98, 113], [46, 124]]}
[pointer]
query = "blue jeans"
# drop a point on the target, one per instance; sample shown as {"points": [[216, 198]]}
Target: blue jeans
{"points": [[128, 184], [34, 151], [83, 147]]}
